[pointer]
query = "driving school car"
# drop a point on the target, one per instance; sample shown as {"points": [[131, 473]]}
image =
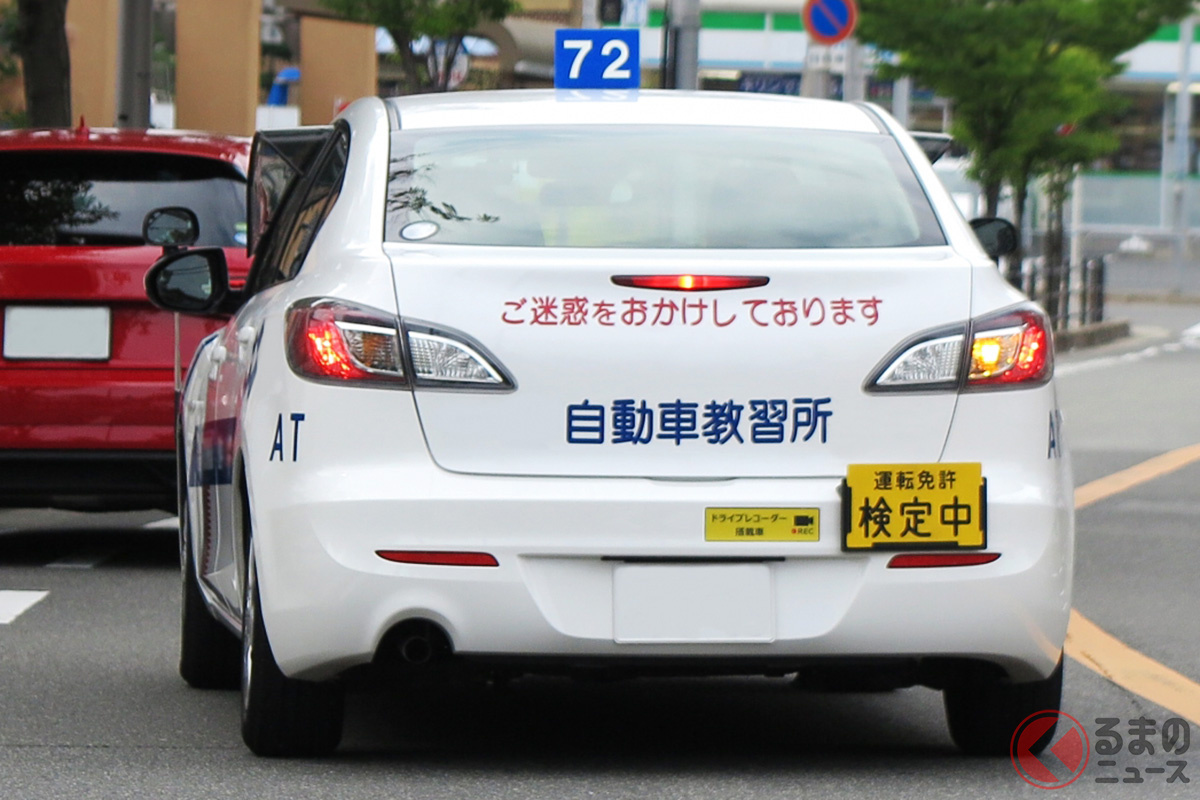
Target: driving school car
{"points": [[621, 384]]}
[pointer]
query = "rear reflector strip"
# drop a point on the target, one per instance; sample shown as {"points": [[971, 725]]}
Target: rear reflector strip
{"points": [[690, 283], [443, 559], [918, 560]]}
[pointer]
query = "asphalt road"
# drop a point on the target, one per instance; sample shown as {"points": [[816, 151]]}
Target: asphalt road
{"points": [[91, 705]]}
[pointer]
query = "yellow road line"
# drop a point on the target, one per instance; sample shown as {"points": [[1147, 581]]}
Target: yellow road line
{"points": [[1129, 669], [1137, 474], [1107, 655]]}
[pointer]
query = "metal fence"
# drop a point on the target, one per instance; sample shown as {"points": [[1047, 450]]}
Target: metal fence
{"points": [[1072, 294]]}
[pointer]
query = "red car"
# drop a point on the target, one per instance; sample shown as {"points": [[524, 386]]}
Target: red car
{"points": [[88, 367]]}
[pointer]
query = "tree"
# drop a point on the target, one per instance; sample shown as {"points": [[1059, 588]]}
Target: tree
{"points": [[1067, 126], [1016, 71], [40, 40], [441, 20]]}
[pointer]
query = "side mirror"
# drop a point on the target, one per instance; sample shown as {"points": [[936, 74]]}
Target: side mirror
{"points": [[189, 281], [998, 236], [171, 227]]}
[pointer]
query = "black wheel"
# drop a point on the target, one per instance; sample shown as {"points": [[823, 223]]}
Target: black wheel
{"points": [[210, 656], [984, 715], [282, 716]]}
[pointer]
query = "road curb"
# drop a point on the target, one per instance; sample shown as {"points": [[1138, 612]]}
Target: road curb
{"points": [[1092, 334]]}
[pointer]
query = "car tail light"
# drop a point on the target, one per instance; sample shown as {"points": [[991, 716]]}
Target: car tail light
{"points": [[1011, 348], [332, 341], [451, 359]]}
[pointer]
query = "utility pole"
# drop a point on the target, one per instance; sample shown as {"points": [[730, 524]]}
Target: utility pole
{"points": [[589, 17], [1183, 146], [902, 99], [133, 69], [815, 80], [686, 21], [854, 77]]}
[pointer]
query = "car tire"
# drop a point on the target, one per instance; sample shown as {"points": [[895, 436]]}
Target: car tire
{"points": [[282, 716], [210, 656], [984, 715]]}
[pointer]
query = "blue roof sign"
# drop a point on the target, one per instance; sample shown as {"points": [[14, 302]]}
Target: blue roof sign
{"points": [[604, 58]]}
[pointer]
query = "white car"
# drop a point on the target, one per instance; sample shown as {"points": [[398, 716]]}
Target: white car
{"points": [[640, 383]]}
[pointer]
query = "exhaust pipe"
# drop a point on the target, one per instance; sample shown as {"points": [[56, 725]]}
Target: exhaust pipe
{"points": [[416, 649], [414, 643]]}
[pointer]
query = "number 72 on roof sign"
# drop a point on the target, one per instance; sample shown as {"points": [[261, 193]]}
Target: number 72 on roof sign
{"points": [[605, 58]]}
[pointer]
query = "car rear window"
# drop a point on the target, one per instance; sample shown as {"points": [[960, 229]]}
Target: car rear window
{"points": [[655, 187], [96, 198]]}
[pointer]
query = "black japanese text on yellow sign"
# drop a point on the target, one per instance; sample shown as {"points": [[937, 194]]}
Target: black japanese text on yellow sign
{"points": [[762, 524], [914, 506]]}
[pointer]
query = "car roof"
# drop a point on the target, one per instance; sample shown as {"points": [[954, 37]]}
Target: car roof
{"points": [[233, 150], [645, 106]]}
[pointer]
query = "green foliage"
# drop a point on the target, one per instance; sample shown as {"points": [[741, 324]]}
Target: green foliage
{"points": [[37, 212], [406, 20], [1017, 71], [8, 41], [13, 119]]}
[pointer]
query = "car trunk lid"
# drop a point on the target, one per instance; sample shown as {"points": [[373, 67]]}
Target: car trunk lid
{"points": [[765, 381]]}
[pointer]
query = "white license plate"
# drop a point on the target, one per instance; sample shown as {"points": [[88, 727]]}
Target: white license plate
{"points": [[56, 332], [680, 603]]}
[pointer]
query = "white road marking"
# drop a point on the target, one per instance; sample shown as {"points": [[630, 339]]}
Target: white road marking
{"points": [[1188, 340], [1105, 361], [82, 559], [15, 602]]}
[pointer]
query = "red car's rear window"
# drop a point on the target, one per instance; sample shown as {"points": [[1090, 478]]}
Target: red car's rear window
{"points": [[101, 198]]}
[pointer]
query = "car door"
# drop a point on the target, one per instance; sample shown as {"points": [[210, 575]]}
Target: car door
{"points": [[294, 175]]}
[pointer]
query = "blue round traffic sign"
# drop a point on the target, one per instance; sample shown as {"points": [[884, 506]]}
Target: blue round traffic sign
{"points": [[829, 21]]}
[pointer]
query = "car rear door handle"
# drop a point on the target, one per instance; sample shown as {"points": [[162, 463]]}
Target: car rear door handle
{"points": [[219, 354], [245, 337]]}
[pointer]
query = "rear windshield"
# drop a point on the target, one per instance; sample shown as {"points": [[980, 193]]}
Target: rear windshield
{"points": [[655, 187], [94, 198]]}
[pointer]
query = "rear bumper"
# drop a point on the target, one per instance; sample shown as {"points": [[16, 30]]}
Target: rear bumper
{"points": [[87, 408], [90, 480], [617, 572]]}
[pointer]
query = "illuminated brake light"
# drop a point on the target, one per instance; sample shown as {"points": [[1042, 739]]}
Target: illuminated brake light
{"points": [[333, 341], [690, 283], [338, 342], [1011, 349], [922, 560], [436, 558]]}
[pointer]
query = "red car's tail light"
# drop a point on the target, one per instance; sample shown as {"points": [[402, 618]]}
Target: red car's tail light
{"points": [[333, 341], [1012, 348], [690, 283]]}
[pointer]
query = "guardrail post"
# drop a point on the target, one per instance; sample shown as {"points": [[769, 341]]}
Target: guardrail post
{"points": [[1064, 294], [1085, 291]]}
